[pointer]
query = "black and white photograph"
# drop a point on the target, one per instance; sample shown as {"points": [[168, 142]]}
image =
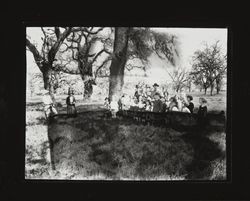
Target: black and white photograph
{"points": [[126, 103]]}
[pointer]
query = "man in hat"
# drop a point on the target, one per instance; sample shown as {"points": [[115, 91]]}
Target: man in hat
{"points": [[48, 104], [155, 90]]}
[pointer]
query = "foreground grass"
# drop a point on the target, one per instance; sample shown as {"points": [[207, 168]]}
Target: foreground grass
{"points": [[93, 149], [219, 165]]}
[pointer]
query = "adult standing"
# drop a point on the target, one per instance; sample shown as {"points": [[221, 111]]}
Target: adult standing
{"points": [[70, 101], [202, 114], [155, 90]]}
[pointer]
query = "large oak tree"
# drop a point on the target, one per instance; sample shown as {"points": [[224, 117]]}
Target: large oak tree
{"points": [[45, 58], [138, 43]]}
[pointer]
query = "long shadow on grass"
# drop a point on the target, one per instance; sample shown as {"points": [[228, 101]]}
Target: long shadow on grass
{"points": [[106, 141], [205, 151]]}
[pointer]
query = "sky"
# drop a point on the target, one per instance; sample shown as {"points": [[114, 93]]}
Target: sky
{"points": [[190, 40]]}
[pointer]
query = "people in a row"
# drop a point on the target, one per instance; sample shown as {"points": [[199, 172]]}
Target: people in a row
{"points": [[152, 99]]}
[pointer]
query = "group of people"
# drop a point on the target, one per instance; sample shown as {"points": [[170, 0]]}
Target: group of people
{"points": [[147, 98]]}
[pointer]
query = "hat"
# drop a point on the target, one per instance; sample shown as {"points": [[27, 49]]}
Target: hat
{"points": [[155, 84], [190, 97]]}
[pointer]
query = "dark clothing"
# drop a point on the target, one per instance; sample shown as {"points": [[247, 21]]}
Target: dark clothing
{"points": [[68, 102], [137, 95], [71, 108], [202, 117], [164, 107], [119, 104], [202, 112], [157, 106], [191, 107]]}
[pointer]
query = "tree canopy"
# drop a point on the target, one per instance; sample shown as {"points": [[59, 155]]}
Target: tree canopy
{"points": [[209, 66]]}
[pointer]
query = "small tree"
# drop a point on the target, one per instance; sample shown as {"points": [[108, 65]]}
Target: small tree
{"points": [[180, 79]]}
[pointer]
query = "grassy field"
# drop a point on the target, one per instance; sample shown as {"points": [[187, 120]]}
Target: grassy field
{"points": [[106, 149]]}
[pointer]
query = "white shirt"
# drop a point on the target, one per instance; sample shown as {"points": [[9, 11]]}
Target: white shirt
{"points": [[71, 99], [185, 109], [114, 105], [47, 100], [175, 108]]}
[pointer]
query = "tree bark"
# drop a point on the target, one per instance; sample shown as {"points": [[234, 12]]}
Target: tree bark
{"points": [[217, 90], [205, 90], [217, 87], [88, 89], [117, 67], [211, 90], [47, 78], [87, 77]]}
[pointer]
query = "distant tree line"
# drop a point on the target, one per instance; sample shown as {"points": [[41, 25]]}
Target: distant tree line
{"points": [[209, 67]]}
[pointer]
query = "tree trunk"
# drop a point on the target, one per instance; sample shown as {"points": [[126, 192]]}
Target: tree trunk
{"points": [[217, 90], [88, 89], [217, 87], [205, 90], [117, 67], [211, 90], [47, 78]]}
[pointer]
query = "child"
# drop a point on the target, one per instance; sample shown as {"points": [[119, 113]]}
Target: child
{"points": [[49, 108], [140, 102], [107, 103], [70, 101], [148, 106], [114, 107], [173, 106], [136, 92], [157, 104], [184, 108], [202, 113], [164, 105], [126, 102], [135, 101], [189, 103], [120, 103]]}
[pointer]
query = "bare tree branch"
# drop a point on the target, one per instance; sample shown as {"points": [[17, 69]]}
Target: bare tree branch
{"points": [[55, 47], [38, 58], [57, 32], [84, 29], [101, 66]]}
